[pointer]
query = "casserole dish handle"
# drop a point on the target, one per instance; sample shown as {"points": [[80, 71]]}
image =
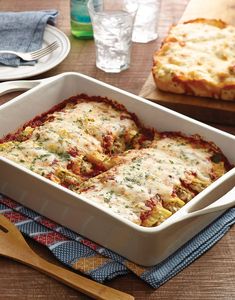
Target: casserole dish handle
{"points": [[21, 85], [224, 202]]}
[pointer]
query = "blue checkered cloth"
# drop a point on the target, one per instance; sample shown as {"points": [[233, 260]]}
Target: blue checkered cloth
{"points": [[23, 32], [76, 251]]}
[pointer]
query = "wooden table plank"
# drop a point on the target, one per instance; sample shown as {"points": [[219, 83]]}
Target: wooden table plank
{"points": [[210, 277]]}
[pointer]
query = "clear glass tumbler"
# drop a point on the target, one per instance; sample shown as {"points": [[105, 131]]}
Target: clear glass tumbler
{"points": [[146, 21], [112, 23]]}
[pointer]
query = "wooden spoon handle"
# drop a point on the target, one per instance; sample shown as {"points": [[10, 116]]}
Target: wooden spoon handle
{"points": [[78, 282]]}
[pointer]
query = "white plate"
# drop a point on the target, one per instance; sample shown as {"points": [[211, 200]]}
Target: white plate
{"points": [[44, 64]]}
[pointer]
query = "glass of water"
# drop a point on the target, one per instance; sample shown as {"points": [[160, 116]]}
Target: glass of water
{"points": [[145, 26], [112, 22]]}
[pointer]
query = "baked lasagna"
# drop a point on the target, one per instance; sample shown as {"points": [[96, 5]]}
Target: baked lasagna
{"points": [[197, 58], [148, 185], [96, 148], [74, 140]]}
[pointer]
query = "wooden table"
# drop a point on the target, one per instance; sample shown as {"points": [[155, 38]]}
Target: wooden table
{"points": [[212, 276]]}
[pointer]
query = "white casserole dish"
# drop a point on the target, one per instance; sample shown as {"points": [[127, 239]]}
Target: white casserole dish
{"points": [[145, 246]]}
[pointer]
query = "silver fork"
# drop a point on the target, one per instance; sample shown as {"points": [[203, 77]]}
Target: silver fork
{"points": [[35, 55]]}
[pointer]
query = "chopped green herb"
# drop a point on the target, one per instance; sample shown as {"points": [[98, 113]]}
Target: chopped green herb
{"points": [[108, 196], [216, 158], [64, 155], [44, 156]]}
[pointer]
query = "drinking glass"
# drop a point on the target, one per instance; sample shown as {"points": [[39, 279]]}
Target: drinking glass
{"points": [[145, 26], [112, 22]]}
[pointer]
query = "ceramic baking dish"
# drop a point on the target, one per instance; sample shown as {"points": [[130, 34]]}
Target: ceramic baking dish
{"points": [[145, 246]]}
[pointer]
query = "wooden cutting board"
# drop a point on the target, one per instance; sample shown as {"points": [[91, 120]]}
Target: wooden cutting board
{"points": [[204, 109]]}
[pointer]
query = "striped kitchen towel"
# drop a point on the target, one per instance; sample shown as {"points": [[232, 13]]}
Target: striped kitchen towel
{"points": [[101, 263]]}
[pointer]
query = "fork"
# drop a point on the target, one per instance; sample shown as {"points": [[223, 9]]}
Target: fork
{"points": [[13, 245], [35, 55]]}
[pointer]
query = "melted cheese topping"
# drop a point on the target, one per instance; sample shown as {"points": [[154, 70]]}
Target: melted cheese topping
{"points": [[34, 157], [60, 136], [198, 51], [198, 160], [77, 130], [147, 173], [97, 119]]}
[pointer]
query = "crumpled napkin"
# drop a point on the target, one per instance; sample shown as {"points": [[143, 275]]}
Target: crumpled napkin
{"points": [[23, 32], [100, 263]]}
